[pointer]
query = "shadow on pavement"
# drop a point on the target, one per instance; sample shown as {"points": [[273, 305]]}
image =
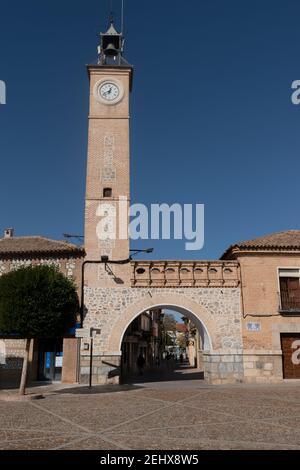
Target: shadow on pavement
{"points": [[32, 385], [165, 374], [97, 389], [46, 389]]}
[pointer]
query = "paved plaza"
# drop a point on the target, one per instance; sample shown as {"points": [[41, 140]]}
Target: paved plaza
{"points": [[171, 414]]}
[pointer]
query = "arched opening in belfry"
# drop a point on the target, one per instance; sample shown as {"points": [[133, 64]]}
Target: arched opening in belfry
{"points": [[164, 343]]}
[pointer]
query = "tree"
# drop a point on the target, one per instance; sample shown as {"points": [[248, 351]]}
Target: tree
{"points": [[36, 302], [169, 322], [181, 340]]}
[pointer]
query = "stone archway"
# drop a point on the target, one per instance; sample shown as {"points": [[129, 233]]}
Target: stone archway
{"points": [[215, 312], [154, 351], [196, 312]]}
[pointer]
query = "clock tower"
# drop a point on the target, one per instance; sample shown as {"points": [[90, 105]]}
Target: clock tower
{"points": [[107, 184]]}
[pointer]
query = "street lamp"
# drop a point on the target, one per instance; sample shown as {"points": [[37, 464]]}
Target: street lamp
{"points": [[106, 261], [135, 252]]}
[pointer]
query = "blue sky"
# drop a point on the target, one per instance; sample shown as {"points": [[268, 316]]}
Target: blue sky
{"points": [[212, 120]]}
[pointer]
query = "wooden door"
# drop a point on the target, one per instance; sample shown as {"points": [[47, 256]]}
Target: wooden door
{"points": [[290, 345]]}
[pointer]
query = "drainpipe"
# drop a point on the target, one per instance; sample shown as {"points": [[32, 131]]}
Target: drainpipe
{"points": [[242, 293]]}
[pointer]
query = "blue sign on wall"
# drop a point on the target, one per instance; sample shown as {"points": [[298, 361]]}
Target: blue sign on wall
{"points": [[48, 360], [253, 326]]}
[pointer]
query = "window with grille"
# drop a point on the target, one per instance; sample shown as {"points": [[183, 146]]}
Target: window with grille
{"points": [[289, 280]]}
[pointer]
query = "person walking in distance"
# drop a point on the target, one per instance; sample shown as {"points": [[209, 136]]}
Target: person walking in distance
{"points": [[140, 363], [168, 361]]}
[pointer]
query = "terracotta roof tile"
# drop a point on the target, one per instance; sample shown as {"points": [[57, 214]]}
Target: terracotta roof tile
{"points": [[181, 328], [36, 245], [279, 241]]}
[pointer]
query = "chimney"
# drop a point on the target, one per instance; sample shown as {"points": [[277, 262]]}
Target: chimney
{"points": [[8, 233]]}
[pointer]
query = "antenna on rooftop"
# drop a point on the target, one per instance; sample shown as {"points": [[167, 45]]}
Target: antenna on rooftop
{"points": [[79, 238], [122, 17]]}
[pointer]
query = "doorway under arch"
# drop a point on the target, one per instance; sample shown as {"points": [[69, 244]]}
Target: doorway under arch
{"points": [[145, 352]]}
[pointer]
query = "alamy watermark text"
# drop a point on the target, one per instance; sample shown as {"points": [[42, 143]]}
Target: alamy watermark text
{"points": [[160, 222]]}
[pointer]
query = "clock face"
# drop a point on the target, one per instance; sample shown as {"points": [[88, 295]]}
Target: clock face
{"points": [[109, 91]]}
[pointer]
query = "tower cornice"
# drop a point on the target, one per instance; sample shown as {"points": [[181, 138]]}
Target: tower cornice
{"points": [[109, 70]]}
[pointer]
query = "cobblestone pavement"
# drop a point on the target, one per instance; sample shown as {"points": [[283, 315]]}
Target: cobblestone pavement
{"points": [[171, 415]]}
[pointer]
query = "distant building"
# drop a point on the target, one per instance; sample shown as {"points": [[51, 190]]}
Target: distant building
{"points": [[53, 360], [142, 337], [194, 350]]}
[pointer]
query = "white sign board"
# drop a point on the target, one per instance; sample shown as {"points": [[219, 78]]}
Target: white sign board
{"points": [[58, 361], [254, 327], [82, 333], [2, 352]]}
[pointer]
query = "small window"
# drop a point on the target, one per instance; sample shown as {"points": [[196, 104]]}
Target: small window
{"points": [[140, 271], [289, 281], [107, 192]]}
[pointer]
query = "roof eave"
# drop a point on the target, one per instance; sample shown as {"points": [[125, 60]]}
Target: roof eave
{"points": [[112, 68], [235, 251], [39, 254]]}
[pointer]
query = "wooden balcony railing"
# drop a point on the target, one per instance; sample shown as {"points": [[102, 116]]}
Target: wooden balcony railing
{"points": [[185, 274]]}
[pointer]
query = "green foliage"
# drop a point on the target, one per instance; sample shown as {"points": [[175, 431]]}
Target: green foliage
{"points": [[181, 341], [37, 302], [169, 341]]}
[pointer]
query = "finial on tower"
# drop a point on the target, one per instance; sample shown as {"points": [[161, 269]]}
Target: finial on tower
{"points": [[111, 17]]}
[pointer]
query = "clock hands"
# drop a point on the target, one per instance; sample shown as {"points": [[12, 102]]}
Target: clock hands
{"points": [[108, 92]]}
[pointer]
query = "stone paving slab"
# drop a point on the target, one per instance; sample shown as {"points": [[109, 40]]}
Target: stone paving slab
{"points": [[29, 442], [260, 433], [258, 411], [102, 412], [171, 417], [22, 416], [155, 416], [188, 443], [215, 422], [291, 422], [169, 395], [92, 443]]}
